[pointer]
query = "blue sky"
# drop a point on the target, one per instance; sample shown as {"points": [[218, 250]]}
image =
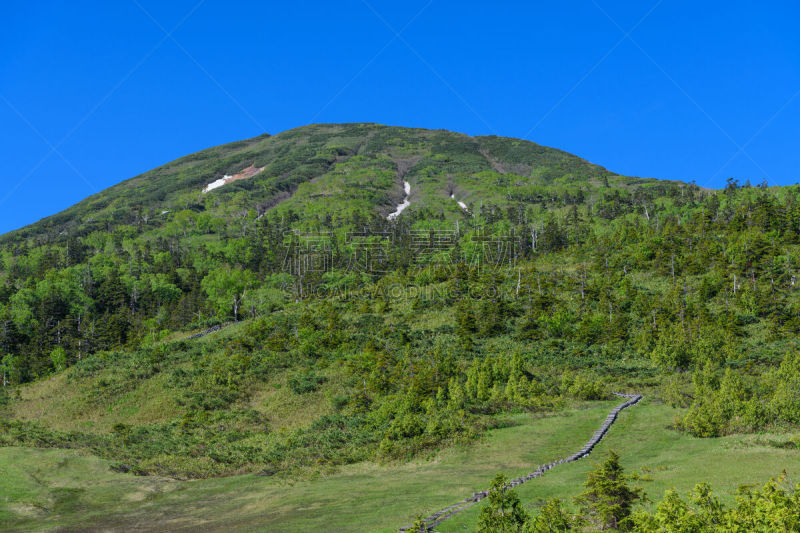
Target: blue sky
{"points": [[92, 93]]}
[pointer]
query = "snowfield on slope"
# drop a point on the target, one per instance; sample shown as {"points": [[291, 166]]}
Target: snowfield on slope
{"points": [[248, 172], [402, 206]]}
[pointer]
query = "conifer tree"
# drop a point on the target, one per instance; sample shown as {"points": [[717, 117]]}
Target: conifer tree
{"points": [[607, 501], [504, 513], [552, 518]]}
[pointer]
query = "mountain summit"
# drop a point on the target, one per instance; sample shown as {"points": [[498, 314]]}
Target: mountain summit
{"points": [[330, 173]]}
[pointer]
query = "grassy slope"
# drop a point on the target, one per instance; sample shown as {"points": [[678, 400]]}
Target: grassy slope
{"points": [[66, 404], [47, 488], [670, 459]]}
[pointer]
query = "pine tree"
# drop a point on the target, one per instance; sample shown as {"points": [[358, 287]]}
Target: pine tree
{"points": [[607, 501], [456, 394], [484, 385], [504, 513], [510, 392], [552, 518]]}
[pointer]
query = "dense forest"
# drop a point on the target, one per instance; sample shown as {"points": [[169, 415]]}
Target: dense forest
{"points": [[557, 280]]}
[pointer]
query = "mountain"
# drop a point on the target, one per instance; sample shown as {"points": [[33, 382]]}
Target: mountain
{"points": [[335, 171], [236, 205], [359, 294]]}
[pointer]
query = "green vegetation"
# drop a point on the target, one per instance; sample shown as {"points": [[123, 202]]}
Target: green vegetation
{"points": [[605, 505], [607, 501], [358, 497], [352, 340], [774, 507], [655, 458], [504, 512], [372, 497]]}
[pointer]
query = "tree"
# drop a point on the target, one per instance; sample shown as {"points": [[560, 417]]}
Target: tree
{"points": [[785, 402], [226, 288], [465, 318], [671, 351], [456, 394], [774, 507], [59, 358], [182, 222], [8, 367], [504, 513], [122, 431], [552, 518], [22, 307], [163, 290], [672, 515], [608, 499]]}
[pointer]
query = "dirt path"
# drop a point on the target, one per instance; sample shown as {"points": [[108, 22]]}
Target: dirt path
{"points": [[495, 165], [440, 516]]}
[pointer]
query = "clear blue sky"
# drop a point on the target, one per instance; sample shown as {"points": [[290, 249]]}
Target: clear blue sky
{"points": [[104, 84]]}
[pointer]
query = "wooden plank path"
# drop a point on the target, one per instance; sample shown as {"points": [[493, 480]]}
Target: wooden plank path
{"points": [[440, 516]]}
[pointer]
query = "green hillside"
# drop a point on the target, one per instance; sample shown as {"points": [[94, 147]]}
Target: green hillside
{"points": [[282, 330], [312, 170]]}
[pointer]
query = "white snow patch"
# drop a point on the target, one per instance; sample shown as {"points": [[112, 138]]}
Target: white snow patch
{"points": [[248, 172], [406, 203], [217, 184], [461, 204]]}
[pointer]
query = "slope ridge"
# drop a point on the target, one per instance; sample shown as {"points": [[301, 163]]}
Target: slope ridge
{"points": [[312, 153]]}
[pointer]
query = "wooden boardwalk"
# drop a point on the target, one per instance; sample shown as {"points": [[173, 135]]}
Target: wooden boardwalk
{"points": [[440, 516]]}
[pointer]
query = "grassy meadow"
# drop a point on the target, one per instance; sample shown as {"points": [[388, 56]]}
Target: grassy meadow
{"points": [[49, 489]]}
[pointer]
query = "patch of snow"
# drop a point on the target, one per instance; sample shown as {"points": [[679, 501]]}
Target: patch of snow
{"points": [[406, 203], [248, 172], [217, 184], [461, 204]]}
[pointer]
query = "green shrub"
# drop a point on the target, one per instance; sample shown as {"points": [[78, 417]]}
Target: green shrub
{"points": [[305, 382]]}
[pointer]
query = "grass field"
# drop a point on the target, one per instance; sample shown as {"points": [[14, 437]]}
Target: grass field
{"points": [[663, 459], [45, 489]]}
